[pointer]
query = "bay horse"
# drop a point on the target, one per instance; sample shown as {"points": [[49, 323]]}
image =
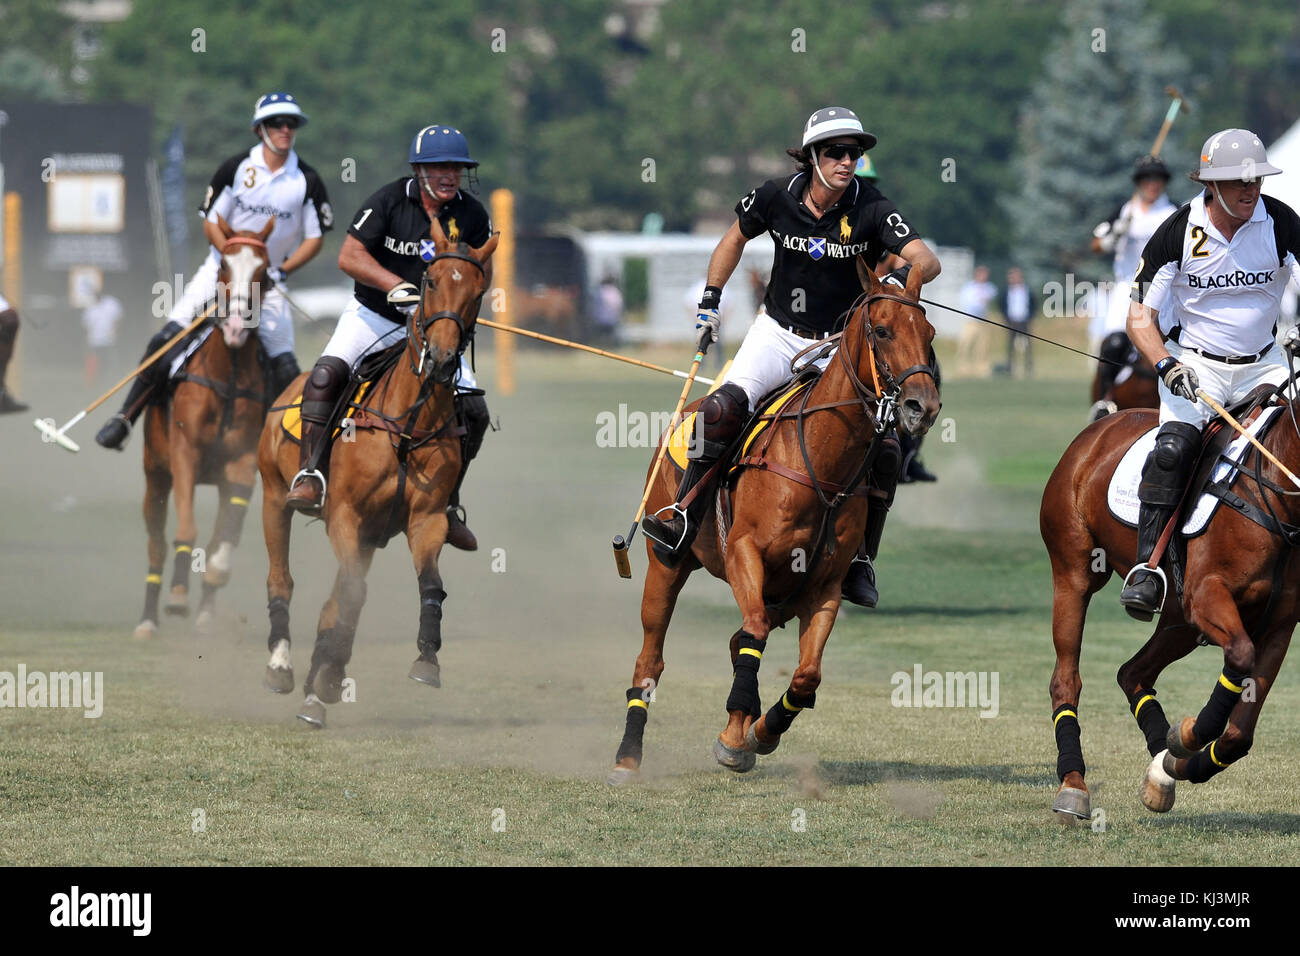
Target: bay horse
{"points": [[207, 434], [1241, 593], [395, 476], [793, 536]]}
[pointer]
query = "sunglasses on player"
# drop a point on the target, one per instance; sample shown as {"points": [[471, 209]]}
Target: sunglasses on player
{"points": [[280, 122], [841, 150]]}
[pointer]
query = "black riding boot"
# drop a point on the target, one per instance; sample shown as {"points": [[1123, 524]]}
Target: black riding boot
{"points": [[8, 335], [913, 470], [473, 412], [320, 397], [1164, 478], [859, 585], [146, 388], [718, 421], [284, 369]]}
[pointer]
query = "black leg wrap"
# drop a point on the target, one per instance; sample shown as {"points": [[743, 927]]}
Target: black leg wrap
{"points": [[1068, 748], [333, 646], [1151, 719], [782, 714], [278, 609], [236, 510], [1213, 718], [430, 639], [152, 587], [638, 711], [744, 682], [1206, 763], [181, 565]]}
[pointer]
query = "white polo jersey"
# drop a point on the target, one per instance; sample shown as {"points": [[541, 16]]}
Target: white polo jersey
{"points": [[1218, 295], [245, 192]]}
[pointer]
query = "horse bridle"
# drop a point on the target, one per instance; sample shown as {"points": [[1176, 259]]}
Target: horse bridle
{"points": [[423, 323], [256, 243], [886, 398]]}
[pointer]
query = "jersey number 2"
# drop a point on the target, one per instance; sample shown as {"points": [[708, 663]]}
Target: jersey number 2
{"points": [[1198, 250]]}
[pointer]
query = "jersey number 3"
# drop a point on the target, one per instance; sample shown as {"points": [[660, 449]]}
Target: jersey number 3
{"points": [[251, 177]]}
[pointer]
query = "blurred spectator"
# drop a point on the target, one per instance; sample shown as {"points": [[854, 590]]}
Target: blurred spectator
{"points": [[1018, 309], [8, 333], [607, 310], [101, 319], [972, 348]]}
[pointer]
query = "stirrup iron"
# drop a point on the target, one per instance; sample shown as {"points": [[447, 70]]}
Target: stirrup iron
{"points": [[1159, 572], [311, 473], [673, 508]]}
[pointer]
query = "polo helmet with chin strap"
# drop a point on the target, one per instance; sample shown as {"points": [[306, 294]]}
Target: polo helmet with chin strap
{"points": [[1233, 155], [440, 144], [277, 104], [831, 122]]}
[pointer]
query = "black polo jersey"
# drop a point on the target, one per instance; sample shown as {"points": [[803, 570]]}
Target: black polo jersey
{"points": [[814, 275], [393, 223]]}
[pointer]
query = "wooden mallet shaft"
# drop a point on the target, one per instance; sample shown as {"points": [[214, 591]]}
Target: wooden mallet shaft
{"points": [[1223, 413]]}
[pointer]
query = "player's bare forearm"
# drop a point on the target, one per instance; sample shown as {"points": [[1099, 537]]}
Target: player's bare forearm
{"points": [[212, 232], [1144, 332], [921, 256], [726, 256], [304, 254], [360, 265]]}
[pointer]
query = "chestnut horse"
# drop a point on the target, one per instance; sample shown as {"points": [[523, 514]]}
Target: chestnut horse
{"points": [[395, 476], [777, 555], [1240, 593], [208, 434]]}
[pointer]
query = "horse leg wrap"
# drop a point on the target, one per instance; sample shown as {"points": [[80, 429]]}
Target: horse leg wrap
{"points": [[333, 646], [234, 518], [181, 566], [1068, 749], [152, 587], [279, 613], [430, 639], [1150, 717], [1206, 763], [638, 710], [783, 712], [744, 681], [1213, 718]]}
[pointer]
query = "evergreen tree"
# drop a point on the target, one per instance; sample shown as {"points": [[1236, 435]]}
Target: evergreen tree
{"points": [[1096, 109]]}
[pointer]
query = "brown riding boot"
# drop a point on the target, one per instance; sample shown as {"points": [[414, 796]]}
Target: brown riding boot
{"points": [[308, 492]]}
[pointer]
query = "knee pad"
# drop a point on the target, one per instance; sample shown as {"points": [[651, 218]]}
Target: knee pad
{"points": [[719, 420], [1176, 445], [328, 378], [8, 326]]}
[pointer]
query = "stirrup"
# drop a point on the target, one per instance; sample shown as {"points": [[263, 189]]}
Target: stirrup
{"points": [[1157, 572], [311, 473], [673, 508]]}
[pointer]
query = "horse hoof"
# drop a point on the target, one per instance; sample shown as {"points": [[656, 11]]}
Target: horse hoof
{"points": [[216, 578], [278, 680], [754, 745], [741, 761], [203, 623], [312, 712], [1157, 790], [178, 603], [1174, 739], [329, 684], [145, 630], [622, 776], [1073, 801], [426, 672]]}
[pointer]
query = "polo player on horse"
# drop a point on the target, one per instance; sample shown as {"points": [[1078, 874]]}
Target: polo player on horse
{"points": [[822, 219]]}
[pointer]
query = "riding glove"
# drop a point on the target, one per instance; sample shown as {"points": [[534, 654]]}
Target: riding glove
{"points": [[1178, 378], [708, 320], [1291, 341], [276, 275]]}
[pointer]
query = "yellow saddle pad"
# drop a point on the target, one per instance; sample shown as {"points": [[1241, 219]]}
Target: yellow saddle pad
{"points": [[677, 444], [292, 421]]}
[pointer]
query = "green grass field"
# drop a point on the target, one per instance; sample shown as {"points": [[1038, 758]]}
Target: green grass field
{"points": [[505, 764]]}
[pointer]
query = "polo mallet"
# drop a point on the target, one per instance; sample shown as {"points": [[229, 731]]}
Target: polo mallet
{"points": [[587, 348], [1170, 114], [1223, 413], [621, 543], [60, 438], [292, 304]]}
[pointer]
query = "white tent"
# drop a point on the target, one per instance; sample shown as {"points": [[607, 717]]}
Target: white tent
{"points": [[1285, 155]]}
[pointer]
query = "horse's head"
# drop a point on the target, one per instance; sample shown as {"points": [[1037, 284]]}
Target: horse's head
{"points": [[242, 281], [453, 285], [891, 339]]}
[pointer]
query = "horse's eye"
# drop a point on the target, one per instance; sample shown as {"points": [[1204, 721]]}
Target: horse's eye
{"points": [[882, 332]]}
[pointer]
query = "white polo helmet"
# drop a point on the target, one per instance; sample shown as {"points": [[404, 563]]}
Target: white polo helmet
{"points": [[832, 121], [1234, 154], [277, 104]]}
